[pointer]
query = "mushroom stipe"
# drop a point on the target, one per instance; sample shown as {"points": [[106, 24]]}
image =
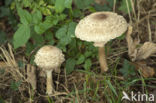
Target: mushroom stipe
{"points": [[102, 59]]}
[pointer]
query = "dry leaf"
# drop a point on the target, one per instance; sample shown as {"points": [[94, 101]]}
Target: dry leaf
{"points": [[145, 70], [146, 50], [132, 51], [3, 64], [31, 75]]}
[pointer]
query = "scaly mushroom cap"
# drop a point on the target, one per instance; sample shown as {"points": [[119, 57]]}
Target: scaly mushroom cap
{"points": [[101, 27], [49, 57]]}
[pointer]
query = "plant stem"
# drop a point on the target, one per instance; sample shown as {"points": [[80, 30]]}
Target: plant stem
{"points": [[102, 60]]}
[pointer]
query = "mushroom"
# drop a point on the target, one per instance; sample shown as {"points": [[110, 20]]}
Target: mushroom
{"points": [[101, 27], [49, 58]]}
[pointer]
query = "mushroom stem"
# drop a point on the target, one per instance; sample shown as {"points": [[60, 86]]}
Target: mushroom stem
{"points": [[102, 60], [50, 90]]}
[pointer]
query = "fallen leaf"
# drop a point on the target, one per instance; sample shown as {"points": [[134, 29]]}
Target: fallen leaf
{"points": [[132, 51], [146, 71], [146, 50], [3, 64], [31, 75], [143, 52]]}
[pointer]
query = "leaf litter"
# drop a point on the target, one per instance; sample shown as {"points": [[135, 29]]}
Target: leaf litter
{"points": [[139, 54]]}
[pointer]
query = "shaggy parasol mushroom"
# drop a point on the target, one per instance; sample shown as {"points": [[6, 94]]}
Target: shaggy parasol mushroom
{"points": [[101, 27], [49, 58]]}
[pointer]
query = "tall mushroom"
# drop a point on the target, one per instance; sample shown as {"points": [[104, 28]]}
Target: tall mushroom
{"points": [[101, 27], [49, 58]]}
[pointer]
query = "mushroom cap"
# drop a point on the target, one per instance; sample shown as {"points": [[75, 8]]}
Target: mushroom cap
{"points": [[49, 57], [101, 27]]}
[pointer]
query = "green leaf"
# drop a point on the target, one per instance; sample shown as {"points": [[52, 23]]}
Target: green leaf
{"points": [[41, 2], [77, 13], [48, 23], [70, 64], [68, 3], [45, 11], [8, 2], [61, 17], [66, 33], [37, 39], [71, 29], [25, 16], [37, 17], [51, 2], [49, 36], [80, 60], [40, 28], [21, 36], [61, 33], [88, 64], [2, 37], [15, 85], [59, 6], [29, 48], [4, 11], [83, 4], [88, 54], [65, 41], [124, 7], [127, 69], [27, 3]]}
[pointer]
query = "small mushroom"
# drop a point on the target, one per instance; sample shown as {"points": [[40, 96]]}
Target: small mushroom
{"points": [[49, 58], [101, 27]]}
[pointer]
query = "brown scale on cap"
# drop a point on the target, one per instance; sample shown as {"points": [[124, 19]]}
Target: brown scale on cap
{"points": [[100, 16]]}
